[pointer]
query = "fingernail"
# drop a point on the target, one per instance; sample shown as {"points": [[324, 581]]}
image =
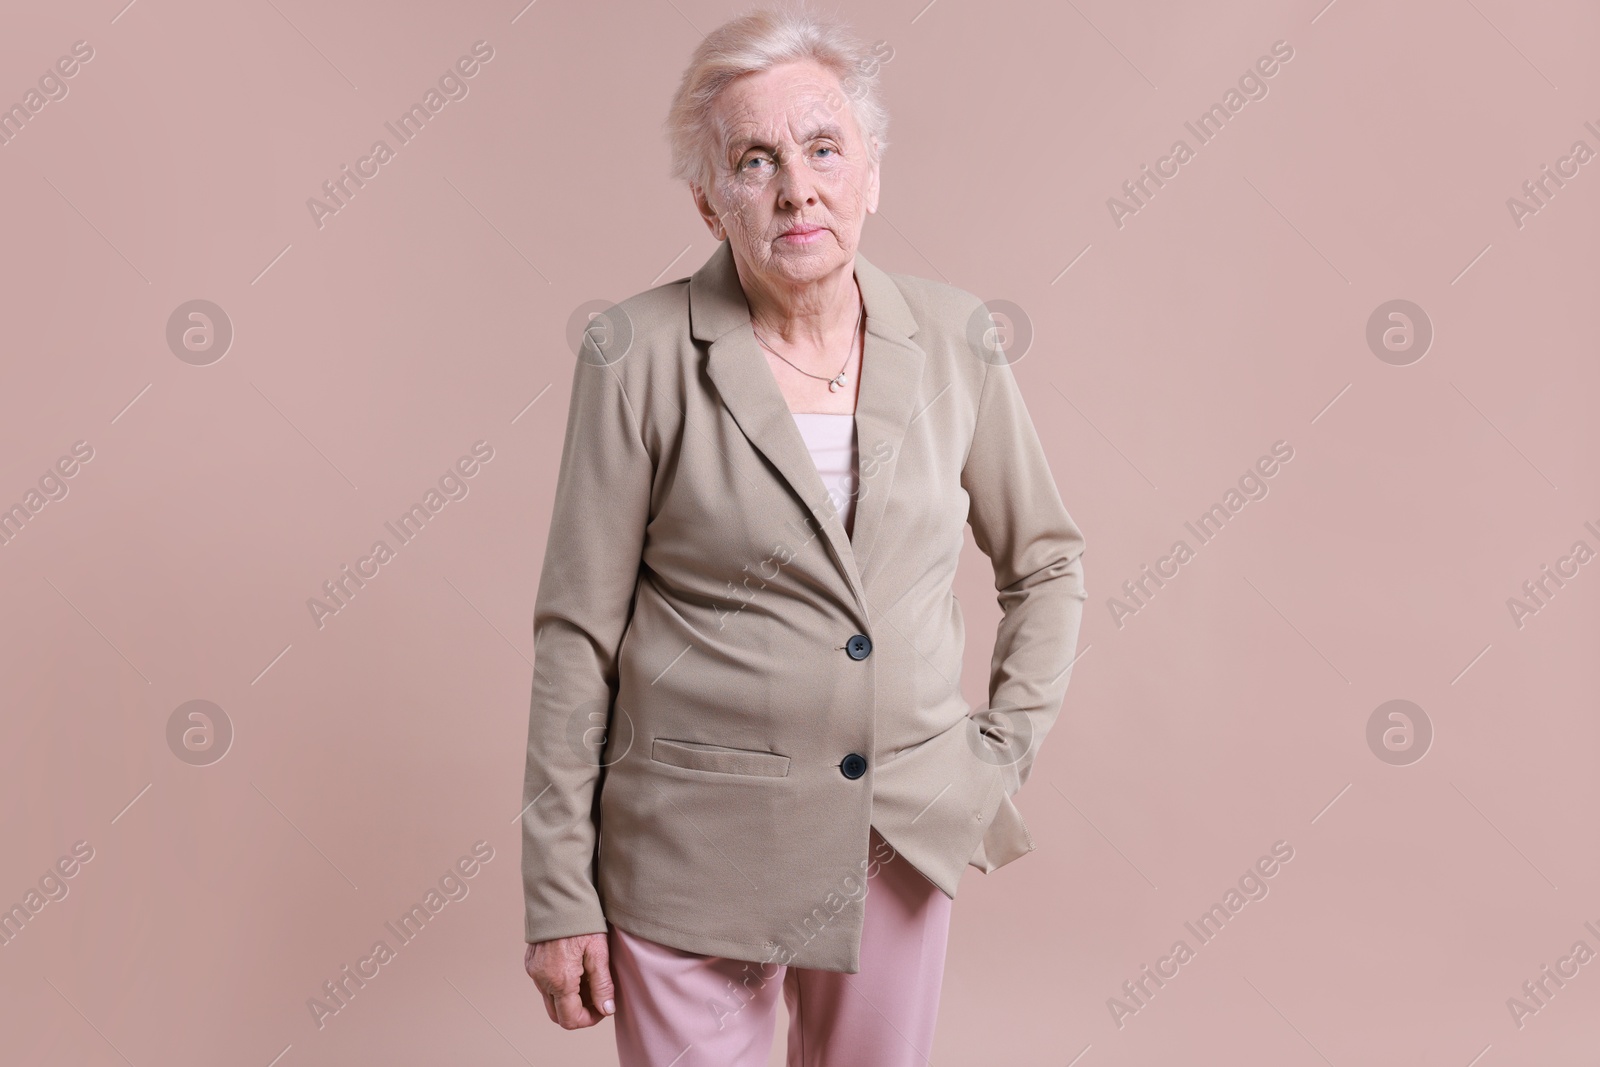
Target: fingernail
{"points": [[610, 1007]]}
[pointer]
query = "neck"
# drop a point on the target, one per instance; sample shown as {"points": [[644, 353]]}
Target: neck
{"points": [[804, 312]]}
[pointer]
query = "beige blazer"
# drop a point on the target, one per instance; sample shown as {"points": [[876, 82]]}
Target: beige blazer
{"points": [[728, 689]]}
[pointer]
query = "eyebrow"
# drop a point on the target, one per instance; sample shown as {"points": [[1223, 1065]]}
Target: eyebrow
{"points": [[744, 144]]}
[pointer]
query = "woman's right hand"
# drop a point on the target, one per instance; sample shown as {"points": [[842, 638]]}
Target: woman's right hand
{"points": [[574, 974]]}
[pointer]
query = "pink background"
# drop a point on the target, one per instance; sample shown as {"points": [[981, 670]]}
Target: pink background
{"points": [[432, 311]]}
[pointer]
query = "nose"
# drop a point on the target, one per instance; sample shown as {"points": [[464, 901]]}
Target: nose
{"points": [[796, 186]]}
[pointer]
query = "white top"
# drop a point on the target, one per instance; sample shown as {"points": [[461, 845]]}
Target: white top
{"points": [[831, 440]]}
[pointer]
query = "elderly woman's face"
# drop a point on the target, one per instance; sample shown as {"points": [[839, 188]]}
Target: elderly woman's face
{"points": [[794, 180]]}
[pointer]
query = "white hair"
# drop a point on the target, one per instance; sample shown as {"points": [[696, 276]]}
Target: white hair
{"points": [[758, 41]]}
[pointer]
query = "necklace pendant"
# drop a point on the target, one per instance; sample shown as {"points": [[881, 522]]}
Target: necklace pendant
{"points": [[836, 384]]}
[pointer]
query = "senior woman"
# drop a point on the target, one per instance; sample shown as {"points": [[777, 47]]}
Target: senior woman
{"points": [[750, 767]]}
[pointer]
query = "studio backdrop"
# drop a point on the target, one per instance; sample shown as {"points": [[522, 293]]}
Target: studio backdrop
{"points": [[1300, 297]]}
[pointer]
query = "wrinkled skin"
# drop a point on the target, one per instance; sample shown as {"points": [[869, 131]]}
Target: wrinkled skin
{"points": [[574, 974]]}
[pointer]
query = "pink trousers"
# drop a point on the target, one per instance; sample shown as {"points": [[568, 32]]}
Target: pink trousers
{"points": [[680, 1009]]}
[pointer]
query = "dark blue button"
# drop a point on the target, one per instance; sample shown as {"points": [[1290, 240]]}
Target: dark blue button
{"points": [[854, 765], [858, 647]]}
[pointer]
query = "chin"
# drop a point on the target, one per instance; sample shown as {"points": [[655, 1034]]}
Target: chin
{"points": [[823, 255]]}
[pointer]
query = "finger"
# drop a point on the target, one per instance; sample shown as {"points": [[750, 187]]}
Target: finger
{"points": [[534, 972], [597, 968], [571, 1013]]}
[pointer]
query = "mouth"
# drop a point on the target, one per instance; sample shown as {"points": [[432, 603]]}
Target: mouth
{"points": [[802, 234]]}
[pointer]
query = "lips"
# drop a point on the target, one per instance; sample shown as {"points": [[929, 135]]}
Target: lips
{"points": [[799, 231]]}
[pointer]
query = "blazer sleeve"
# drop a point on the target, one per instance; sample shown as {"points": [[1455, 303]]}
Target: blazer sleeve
{"points": [[1019, 522], [585, 600]]}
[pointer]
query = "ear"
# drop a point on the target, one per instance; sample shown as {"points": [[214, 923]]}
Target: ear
{"points": [[872, 182], [708, 214]]}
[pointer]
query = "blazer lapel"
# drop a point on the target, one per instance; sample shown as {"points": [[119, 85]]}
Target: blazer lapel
{"points": [[885, 404], [891, 377]]}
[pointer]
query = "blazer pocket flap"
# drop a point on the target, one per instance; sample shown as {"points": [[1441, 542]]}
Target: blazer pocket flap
{"points": [[702, 757]]}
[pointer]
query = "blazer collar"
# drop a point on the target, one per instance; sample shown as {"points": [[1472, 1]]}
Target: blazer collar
{"points": [[891, 371]]}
